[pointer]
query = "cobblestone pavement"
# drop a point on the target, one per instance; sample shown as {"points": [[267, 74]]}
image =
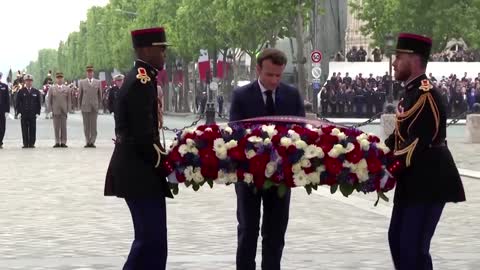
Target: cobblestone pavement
{"points": [[54, 216]]}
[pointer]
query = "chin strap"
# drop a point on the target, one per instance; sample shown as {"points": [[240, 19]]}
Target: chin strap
{"points": [[159, 154]]}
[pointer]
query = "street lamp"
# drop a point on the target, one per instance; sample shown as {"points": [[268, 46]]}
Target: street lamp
{"points": [[389, 43]]}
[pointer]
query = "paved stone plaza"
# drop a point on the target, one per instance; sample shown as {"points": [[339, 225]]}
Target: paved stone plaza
{"points": [[55, 217]]}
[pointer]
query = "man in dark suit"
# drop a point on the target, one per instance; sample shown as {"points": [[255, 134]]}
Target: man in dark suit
{"points": [[426, 174], [113, 93], [135, 167], [29, 106], [4, 108], [263, 97]]}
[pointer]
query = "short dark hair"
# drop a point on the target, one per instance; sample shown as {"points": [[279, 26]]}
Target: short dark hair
{"points": [[276, 56]]}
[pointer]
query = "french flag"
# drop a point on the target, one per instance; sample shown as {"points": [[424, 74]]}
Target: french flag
{"points": [[203, 64], [220, 72]]}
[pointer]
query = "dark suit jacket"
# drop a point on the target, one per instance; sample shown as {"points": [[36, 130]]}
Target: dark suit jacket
{"points": [[4, 98], [247, 102], [29, 104]]}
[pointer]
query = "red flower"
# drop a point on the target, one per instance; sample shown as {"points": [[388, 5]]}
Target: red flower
{"points": [[327, 129], [374, 164], [276, 178], [258, 163], [237, 153], [291, 149], [282, 151], [209, 168], [180, 177], [333, 166], [174, 155], [288, 174], [373, 139], [240, 174], [192, 136], [282, 130], [256, 132], [330, 180], [355, 155], [276, 139]]}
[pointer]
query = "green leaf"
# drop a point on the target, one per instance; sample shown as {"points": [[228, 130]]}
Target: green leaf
{"points": [[173, 188], [188, 184], [195, 186], [346, 189], [210, 183], [282, 190], [309, 189], [333, 188], [315, 187], [268, 184]]}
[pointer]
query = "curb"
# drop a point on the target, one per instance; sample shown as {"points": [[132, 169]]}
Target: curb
{"points": [[469, 173]]}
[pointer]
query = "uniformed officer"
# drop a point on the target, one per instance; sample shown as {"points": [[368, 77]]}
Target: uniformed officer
{"points": [[4, 108], [29, 106], [90, 99], [59, 99], [135, 171], [380, 98], [113, 93], [426, 174]]}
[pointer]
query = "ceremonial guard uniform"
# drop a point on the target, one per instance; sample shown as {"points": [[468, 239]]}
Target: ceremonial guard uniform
{"points": [[426, 174], [29, 105], [113, 93], [4, 108], [135, 171]]}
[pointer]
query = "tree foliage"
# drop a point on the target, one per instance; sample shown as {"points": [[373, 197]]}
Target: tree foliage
{"points": [[440, 19]]}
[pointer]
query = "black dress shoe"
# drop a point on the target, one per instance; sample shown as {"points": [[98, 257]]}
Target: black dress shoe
{"points": [[92, 145], [57, 145], [25, 146], [63, 145], [87, 146], [32, 146]]}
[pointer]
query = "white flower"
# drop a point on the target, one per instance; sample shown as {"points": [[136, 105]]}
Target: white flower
{"points": [[362, 175], [294, 135], [270, 169], [208, 130], [350, 148], [248, 178], [190, 142], [314, 178], [313, 151], [218, 143], [286, 142], [301, 144], [187, 131], [341, 136], [232, 178], [183, 149], [305, 163], [231, 144], [248, 131], [365, 145], [194, 151], [188, 172], [270, 130], [198, 132], [197, 176], [300, 179], [221, 153], [335, 131], [250, 154], [255, 139], [228, 130], [320, 169], [296, 168], [384, 148], [267, 141], [362, 164], [362, 136], [336, 151]]}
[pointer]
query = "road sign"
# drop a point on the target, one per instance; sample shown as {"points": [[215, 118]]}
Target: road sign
{"points": [[213, 86], [316, 72], [316, 56]]}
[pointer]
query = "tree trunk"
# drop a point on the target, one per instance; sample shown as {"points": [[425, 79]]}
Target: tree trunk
{"points": [[186, 87], [299, 36], [253, 64]]}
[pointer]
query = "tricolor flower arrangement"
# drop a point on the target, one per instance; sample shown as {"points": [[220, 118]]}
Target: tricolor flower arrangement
{"points": [[283, 155]]}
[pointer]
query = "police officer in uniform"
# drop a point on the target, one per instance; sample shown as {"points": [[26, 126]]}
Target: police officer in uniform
{"points": [[113, 93], [379, 100], [135, 172], [4, 108], [29, 106], [426, 174]]}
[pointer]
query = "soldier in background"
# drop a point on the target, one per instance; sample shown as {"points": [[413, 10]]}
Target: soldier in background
{"points": [[29, 105], [341, 99], [377, 55], [359, 101], [380, 97], [324, 100], [347, 79], [332, 101], [220, 105], [362, 54], [370, 99], [4, 108], [113, 93], [90, 100], [59, 103], [349, 100]]}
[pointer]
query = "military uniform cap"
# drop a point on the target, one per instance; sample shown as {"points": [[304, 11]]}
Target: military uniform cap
{"points": [[414, 44], [149, 37], [59, 75], [89, 68], [118, 77], [28, 77]]}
